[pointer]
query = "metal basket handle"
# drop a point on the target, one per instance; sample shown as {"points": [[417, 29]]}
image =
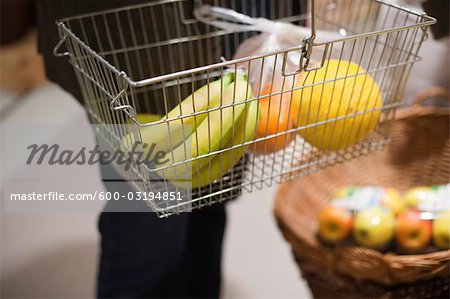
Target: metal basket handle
{"points": [[233, 21], [60, 43]]}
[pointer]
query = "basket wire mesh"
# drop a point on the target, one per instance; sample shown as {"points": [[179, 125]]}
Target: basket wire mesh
{"points": [[147, 58]]}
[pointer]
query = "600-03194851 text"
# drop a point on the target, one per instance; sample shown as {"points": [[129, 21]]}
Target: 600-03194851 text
{"points": [[97, 195]]}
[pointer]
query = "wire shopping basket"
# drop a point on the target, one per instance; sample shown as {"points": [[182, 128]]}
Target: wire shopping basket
{"points": [[159, 58]]}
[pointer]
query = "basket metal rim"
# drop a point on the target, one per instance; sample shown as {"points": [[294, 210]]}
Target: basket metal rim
{"points": [[425, 21]]}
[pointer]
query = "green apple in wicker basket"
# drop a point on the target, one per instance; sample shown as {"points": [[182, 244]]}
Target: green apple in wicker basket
{"points": [[374, 227], [441, 230], [415, 195]]}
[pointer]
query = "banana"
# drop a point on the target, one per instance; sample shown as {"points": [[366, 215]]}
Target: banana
{"points": [[224, 162], [212, 134], [145, 118], [203, 98]]}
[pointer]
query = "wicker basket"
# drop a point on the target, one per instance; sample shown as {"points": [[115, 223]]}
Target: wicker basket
{"points": [[419, 154]]}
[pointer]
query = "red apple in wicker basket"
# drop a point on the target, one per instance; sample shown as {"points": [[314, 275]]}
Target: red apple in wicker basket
{"points": [[335, 224], [412, 233]]}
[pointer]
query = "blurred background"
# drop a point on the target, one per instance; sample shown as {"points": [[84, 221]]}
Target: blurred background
{"points": [[55, 255]]}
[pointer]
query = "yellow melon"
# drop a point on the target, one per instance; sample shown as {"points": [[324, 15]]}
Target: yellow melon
{"points": [[339, 113]]}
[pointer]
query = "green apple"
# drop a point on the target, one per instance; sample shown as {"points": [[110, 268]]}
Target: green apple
{"points": [[344, 192], [441, 230], [374, 227], [392, 199], [415, 195]]}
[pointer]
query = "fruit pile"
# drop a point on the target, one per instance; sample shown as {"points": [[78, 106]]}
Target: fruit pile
{"points": [[331, 108], [382, 218]]}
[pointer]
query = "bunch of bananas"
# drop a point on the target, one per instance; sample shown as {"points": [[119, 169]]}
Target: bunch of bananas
{"points": [[216, 117]]}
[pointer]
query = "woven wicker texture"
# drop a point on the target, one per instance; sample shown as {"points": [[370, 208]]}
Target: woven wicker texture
{"points": [[419, 154]]}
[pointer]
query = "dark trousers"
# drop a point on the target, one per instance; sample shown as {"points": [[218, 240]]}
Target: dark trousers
{"points": [[143, 256]]}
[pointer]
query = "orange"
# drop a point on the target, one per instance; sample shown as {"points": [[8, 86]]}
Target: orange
{"points": [[275, 119]]}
